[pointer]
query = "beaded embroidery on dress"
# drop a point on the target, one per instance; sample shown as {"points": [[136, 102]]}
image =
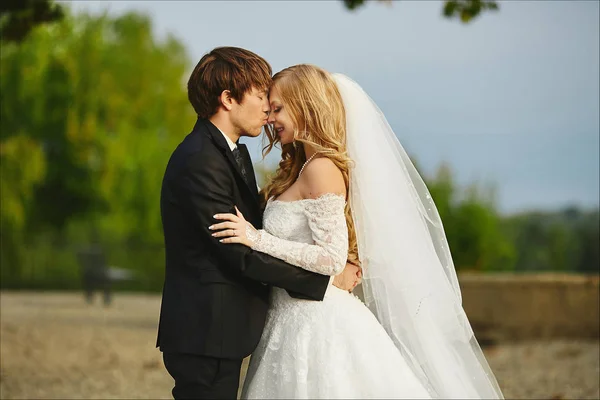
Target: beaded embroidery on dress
{"points": [[321, 350]]}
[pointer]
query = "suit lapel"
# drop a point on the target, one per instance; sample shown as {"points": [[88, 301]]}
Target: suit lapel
{"points": [[250, 170], [220, 141]]}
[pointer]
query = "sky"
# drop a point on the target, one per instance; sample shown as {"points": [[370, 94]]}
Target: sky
{"points": [[511, 99]]}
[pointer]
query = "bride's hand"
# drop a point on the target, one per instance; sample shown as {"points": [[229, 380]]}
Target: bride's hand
{"points": [[235, 230], [349, 278]]}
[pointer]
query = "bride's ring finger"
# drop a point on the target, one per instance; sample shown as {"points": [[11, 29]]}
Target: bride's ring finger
{"points": [[225, 233]]}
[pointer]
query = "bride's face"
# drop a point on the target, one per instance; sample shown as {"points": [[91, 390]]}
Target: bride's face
{"points": [[280, 119]]}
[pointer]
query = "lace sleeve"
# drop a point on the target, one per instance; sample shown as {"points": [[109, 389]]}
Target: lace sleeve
{"points": [[329, 252]]}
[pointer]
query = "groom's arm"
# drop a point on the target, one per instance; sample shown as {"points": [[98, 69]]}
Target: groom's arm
{"points": [[206, 190]]}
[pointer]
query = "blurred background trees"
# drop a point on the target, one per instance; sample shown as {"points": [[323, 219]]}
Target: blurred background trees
{"points": [[91, 108]]}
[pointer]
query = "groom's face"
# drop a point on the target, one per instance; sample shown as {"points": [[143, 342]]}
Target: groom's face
{"points": [[251, 114]]}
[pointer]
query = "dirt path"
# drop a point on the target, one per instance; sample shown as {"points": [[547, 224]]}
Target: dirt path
{"points": [[53, 345]]}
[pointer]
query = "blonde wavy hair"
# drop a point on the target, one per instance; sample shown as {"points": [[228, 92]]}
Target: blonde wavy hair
{"points": [[315, 106]]}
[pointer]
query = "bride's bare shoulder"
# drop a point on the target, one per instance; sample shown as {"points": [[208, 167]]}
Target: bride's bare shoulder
{"points": [[321, 176]]}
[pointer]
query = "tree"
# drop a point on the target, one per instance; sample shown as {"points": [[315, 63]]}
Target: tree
{"points": [[588, 235], [19, 17], [471, 223], [466, 10], [566, 240], [90, 109]]}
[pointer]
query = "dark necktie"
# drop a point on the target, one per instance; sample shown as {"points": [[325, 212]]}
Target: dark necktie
{"points": [[239, 159]]}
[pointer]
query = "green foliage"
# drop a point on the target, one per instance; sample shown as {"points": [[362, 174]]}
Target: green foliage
{"points": [[563, 241], [472, 225], [465, 10], [91, 108], [19, 17], [480, 239], [18, 180], [353, 4]]}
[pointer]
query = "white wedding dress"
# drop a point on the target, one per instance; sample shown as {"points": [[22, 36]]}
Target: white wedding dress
{"points": [[414, 339], [327, 349]]}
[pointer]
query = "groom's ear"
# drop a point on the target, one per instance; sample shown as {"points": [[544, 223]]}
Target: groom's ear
{"points": [[226, 100]]}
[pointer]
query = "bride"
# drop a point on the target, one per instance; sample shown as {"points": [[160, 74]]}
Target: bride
{"points": [[345, 188]]}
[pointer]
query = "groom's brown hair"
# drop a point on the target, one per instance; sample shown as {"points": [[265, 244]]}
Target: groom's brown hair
{"points": [[226, 68]]}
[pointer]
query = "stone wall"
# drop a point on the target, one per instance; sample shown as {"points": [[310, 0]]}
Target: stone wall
{"points": [[507, 307], [531, 306]]}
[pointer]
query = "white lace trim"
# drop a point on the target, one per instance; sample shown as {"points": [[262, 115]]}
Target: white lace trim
{"points": [[316, 199], [326, 219]]}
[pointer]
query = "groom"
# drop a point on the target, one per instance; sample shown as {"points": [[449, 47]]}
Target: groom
{"points": [[215, 296]]}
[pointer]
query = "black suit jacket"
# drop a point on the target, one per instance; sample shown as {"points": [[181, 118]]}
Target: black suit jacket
{"points": [[215, 296]]}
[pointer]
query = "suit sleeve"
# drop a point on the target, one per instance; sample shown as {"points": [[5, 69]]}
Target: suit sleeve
{"points": [[205, 186]]}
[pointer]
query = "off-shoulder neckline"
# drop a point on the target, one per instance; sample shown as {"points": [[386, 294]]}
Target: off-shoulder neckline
{"points": [[321, 197]]}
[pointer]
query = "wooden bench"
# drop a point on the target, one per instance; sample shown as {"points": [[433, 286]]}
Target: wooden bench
{"points": [[98, 276]]}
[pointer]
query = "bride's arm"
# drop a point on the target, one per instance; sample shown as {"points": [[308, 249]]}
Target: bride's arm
{"points": [[327, 223], [325, 212]]}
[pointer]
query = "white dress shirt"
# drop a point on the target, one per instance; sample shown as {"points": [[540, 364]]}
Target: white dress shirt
{"points": [[229, 142]]}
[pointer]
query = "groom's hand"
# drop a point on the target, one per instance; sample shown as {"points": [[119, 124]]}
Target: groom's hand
{"points": [[349, 278]]}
